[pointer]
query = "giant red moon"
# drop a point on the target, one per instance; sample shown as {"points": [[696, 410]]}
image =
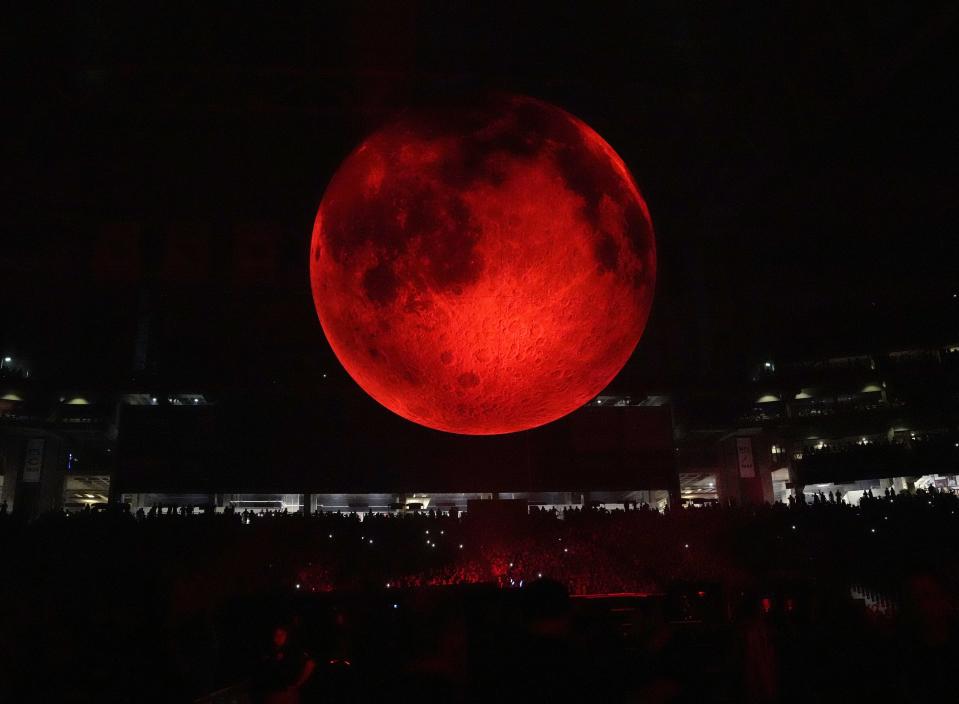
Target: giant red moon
{"points": [[483, 269]]}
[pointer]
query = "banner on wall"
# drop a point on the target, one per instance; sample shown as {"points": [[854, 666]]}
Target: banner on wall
{"points": [[744, 448], [33, 461]]}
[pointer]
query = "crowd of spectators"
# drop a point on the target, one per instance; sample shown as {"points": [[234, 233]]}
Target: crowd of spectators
{"points": [[155, 587], [590, 550]]}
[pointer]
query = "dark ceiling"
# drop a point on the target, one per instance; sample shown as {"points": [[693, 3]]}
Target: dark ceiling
{"points": [[163, 167]]}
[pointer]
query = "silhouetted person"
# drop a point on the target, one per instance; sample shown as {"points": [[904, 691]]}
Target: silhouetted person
{"points": [[759, 659], [544, 647], [929, 634], [286, 668]]}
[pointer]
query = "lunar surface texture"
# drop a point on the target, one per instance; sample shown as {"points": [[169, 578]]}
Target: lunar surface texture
{"points": [[483, 269]]}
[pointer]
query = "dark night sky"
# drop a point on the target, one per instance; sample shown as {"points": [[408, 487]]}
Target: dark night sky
{"points": [[800, 165]]}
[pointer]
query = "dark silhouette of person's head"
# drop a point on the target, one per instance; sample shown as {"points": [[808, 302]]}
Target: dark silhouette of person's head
{"points": [[281, 636], [545, 604]]}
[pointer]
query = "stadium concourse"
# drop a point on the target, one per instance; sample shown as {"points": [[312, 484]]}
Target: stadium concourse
{"points": [[725, 603]]}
